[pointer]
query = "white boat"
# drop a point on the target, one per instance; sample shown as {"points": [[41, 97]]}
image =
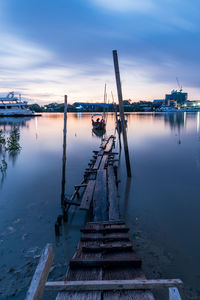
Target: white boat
{"points": [[12, 106]]}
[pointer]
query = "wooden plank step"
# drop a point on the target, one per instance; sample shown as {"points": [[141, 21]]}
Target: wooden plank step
{"points": [[130, 260], [88, 195], [105, 230], [104, 226], [100, 237], [116, 222], [112, 247]]}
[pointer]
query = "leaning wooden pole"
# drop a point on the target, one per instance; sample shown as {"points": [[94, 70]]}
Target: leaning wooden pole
{"points": [[64, 154], [121, 109]]}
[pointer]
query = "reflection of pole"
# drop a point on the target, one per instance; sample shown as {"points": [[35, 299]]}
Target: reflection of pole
{"points": [[64, 154], [126, 197], [121, 109]]}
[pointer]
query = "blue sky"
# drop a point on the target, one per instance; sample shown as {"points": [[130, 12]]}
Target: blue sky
{"points": [[51, 48]]}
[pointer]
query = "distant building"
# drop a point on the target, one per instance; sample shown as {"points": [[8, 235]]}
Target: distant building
{"points": [[176, 98], [158, 102], [82, 106], [194, 103]]}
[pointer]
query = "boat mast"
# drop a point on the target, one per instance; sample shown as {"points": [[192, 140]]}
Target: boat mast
{"points": [[104, 108]]}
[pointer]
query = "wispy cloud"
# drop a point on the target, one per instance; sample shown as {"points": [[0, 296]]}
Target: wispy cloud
{"points": [[50, 48], [126, 5]]}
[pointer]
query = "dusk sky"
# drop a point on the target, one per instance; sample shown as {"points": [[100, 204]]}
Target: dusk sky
{"points": [[51, 48]]}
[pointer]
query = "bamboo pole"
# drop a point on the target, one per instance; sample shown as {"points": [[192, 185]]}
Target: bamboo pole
{"points": [[117, 122], [121, 109], [64, 153]]}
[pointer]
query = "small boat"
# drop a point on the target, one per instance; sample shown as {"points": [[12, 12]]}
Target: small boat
{"points": [[12, 106], [98, 122], [99, 132]]}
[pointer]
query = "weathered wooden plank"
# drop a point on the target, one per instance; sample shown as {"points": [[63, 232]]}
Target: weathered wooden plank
{"points": [[82, 274], [110, 222], [41, 273], [105, 229], [97, 163], [103, 285], [72, 202], [113, 198], [107, 237], [128, 295], [109, 145], [129, 260], [174, 293], [77, 186], [88, 195], [103, 162], [108, 247], [103, 144], [100, 205]]}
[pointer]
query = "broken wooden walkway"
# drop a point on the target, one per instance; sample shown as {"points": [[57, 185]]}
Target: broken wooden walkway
{"points": [[105, 264]]}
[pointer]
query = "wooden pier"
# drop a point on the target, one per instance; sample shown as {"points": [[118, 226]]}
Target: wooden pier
{"points": [[105, 264]]}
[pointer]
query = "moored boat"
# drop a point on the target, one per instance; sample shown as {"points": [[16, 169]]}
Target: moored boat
{"points": [[99, 122], [12, 106]]}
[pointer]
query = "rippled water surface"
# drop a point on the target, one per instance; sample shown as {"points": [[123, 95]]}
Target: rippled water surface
{"points": [[161, 202]]}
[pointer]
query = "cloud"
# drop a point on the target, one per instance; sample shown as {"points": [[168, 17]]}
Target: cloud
{"points": [[51, 48], [126, 5]]}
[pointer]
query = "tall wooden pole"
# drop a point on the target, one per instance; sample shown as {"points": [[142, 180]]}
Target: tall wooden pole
{"points": [[64, 154], [121, 109]]}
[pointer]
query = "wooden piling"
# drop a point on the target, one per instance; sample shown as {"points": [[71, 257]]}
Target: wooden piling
{"points": [[64, 153], [121, 109]]}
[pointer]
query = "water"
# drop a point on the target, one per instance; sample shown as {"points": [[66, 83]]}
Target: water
{"points": [[160, 203]]}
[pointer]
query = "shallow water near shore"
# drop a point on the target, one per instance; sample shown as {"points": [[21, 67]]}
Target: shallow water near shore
{"points": [[160, 202]]}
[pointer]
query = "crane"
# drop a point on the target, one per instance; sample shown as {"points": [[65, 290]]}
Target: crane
{"points": [[180, 86]]}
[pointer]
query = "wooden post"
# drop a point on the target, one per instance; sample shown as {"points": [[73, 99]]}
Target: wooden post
{"points": [[64, 154], [117, 123], [121, 109], [41, 273]]}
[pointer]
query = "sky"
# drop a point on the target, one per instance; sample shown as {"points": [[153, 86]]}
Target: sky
{"points": [[50, 48]]}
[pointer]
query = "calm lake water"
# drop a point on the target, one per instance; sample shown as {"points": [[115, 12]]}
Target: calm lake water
{"points": [[161, 202]]}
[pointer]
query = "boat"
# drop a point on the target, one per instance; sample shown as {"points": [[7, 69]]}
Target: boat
{"points": [[12, 106], [99, 132], [98, 122]]}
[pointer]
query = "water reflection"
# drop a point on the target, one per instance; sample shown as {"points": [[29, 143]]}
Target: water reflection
{"points": [[98, 132], [162, 194], [10, 142]]}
